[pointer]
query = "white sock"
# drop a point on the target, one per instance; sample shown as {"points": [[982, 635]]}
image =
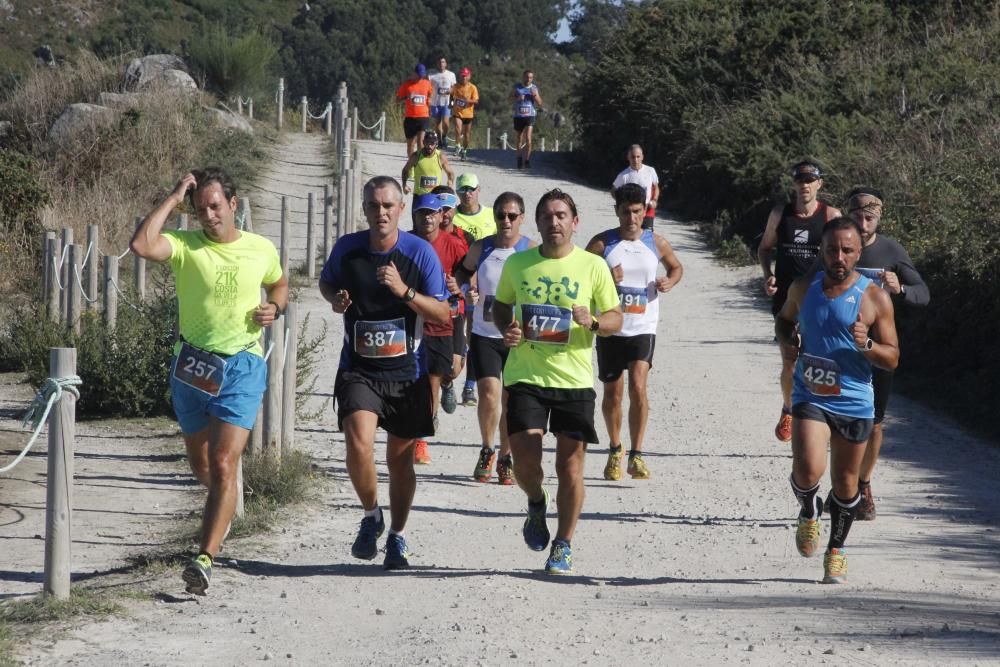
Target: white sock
{"points": [[396, 532], [375, 511]]}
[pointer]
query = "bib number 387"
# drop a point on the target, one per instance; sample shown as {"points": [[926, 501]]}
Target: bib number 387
{"points": [[544, 323], [822, 375], [200, 369], [380, 339]]}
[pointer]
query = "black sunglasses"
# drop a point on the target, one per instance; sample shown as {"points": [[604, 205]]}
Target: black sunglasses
{"points": [[511, 217]]}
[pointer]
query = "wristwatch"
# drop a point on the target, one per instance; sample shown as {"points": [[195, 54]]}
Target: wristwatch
{"points": [[277, 309], [868, 345], [594, 324], [410, 295]]}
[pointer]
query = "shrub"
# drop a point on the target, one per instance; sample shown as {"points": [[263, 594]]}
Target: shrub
{"points": [[232, 65]]}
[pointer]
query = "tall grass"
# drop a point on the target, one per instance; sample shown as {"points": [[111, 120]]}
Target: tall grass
{"points": [[232, 65]]}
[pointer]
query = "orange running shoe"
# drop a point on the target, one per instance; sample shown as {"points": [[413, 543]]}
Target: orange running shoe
{"points": [[783, 431], [484, 465], [420, 453]]}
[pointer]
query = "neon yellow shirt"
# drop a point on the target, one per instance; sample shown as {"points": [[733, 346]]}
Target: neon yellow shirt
{"points": [[556, 351], [427, 173], [218, 288], [477, 225]]}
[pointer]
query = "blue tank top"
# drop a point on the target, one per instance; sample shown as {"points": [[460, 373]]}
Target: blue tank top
{"points": [[831, 373], [524, 101]]}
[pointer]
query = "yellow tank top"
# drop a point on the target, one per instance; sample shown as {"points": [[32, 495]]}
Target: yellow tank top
{"points": [[427, 174]]}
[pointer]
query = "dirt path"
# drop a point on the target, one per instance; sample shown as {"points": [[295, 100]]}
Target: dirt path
{"points": [[694, 566]]}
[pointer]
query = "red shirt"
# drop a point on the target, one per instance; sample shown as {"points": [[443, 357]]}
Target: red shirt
{"points": [[451, 251]]}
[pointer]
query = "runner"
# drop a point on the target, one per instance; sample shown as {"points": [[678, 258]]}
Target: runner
{"points": [[464, 97], [527, 103], [218, 374], [487, 352], [633, 253], [845, 326], [644, 175], [443, 346], [888, 264], [442, 81], [449, 205], [384, 283], [415, 92], [428, 167], [795, 230], [471, 216], [544, 304]]}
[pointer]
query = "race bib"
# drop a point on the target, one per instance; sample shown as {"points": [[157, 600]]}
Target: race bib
{"points": [[488, 307], [453, 305], [634, 299], [461, 104], [525, 109], [428, 182], [872, 274], [380, 339], [544, 323], [822, 375], [444, 91], [418, 99], [200, 369]]}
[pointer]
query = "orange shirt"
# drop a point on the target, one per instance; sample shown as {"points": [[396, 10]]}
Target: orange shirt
{"points": [[464, 97], [417, 95]]}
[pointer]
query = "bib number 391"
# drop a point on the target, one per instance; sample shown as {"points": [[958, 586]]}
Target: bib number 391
{"points": [[544, 323], [200, 369], [380, 339], [822, 375], [634, 300]]}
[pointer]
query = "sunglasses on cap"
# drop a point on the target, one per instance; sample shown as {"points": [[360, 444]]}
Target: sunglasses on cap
{"points": [[510, 217]]}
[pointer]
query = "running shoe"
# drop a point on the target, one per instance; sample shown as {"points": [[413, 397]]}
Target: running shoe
{"points": [[197, 574], [613, 469], [560, 558], [448, 403], [420, 453], [396, 554], [484, 467], [835, 566], [520, 162], [444, 143], [637, 467], [469, 397], [783, 431], [366, 543], [527, 164], [505, 470], [866, 506], [535, 532], [807, 537]]}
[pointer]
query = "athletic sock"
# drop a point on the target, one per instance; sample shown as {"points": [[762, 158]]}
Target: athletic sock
{"points": [[632, 453], [205, 553], [863, 483], [812, 506], [786, 410], [616, 449], [396, 532], [375, 511], [537, 504], [561, 541], [488, 448], [842, 513]]}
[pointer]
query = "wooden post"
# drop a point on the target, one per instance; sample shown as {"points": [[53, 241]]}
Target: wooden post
{"points": [[328, 118], [110, 293], [542, 150], [305, 112], [571, 147], [239, 104], [289, 377], [274, 336], [348, 200], [46, 263], [327, 222], [341, 204], [64, 274], [139, 270], [243, 213], [345, 151], [247, 211], [286, 234], [557, 145], [59, 479], [93, 259], [240, 509], [354, 125], [251, 118], [488, 144], [381, 132], [74, 299], [281, 103], [182, 221], [311, 237], [55, 252]]}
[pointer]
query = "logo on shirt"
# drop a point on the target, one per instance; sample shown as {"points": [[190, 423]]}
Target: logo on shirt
{"points": [[550, 291], [226, 285], [851, 299], [801, 236]]}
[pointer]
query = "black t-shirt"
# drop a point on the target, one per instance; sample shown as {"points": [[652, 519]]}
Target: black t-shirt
{"points": [[885, 254]]}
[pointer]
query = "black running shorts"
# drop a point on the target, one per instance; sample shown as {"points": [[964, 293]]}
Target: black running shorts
{"points": [[487, 356], [458, 335], [438, 351], [852, 429], [521, 123], [414, 126], [567, 412], [403, 408], [615, 353]]}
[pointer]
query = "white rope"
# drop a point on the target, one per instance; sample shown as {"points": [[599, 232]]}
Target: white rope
{"points": [[56, 273], [62, 257], [319, 117], [284, 347], [248, 100], [79, 281], [90, 247], [50, 392], [125, 300], [270, 347], [377, 123], [127, 251]]}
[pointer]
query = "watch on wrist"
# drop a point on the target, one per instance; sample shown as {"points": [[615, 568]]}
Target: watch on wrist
{"points": [[594, 324], [410, 295], [277, 309], [869, 344]]}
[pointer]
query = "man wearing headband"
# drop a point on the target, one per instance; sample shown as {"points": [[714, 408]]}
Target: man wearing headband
{"points": [[888, 264], [793, 229]]}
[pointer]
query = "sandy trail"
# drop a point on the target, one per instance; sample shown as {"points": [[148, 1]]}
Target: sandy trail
{"points": [[694, 566]]}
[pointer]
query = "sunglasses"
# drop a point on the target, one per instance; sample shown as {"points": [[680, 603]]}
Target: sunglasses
{"points": [[511, 217], [465, 191], [809, 178]]}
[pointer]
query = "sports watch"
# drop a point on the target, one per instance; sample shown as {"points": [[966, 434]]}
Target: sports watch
{"points": [[868, 345], [594, 324], [410, 295]]}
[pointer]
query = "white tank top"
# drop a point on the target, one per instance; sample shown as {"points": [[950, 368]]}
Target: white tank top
{"points": [[491, 261], [639, 260]]}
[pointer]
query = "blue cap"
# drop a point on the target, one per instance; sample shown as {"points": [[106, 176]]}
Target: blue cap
{"points": [[448, 200], [421, 70], [428, 202]]}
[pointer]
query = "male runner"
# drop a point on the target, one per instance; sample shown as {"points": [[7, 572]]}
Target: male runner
{"points": [[633, 253], [464, 98], [888, 264], [444, 347], [644, 175], [449, 204], [795, 230], [845, 326], [428, 167], [527, 103], [218, 374], [471, 216], [544, 306], [385, 284], [487, 352], [442, 81], [415, 92]]}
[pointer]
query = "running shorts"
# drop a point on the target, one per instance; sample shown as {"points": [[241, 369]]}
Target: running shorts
{"points": [[852, 429], [615, 353], [239, 398], [403, 408], [567, 412]]}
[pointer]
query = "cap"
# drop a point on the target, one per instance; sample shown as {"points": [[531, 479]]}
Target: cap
{"points": [[466, 71], [467, 181], [428, 202], [421, 70], [448, 200], [806, 171]]}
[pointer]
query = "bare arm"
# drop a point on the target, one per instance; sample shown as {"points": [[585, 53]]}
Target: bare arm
{"points": [[411, 162], [786, 322], [769, 241], [148, 242], [277, 299], [467, 268], [669, 260], [655, 194], [446, 166], [876, 320]]}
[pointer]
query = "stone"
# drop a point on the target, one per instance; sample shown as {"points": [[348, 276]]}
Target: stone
{"points": [[118, 100], [79, 118], [143, 71], [229, 120]]}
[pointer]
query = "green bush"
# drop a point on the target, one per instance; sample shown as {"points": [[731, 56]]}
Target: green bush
{"points": [[21, 198], [232, 65]]}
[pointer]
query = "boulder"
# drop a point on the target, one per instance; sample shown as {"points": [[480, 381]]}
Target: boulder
{"points": [[229, 120], [143, 71], [79, 118], [119, 100], [176, 78]]}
